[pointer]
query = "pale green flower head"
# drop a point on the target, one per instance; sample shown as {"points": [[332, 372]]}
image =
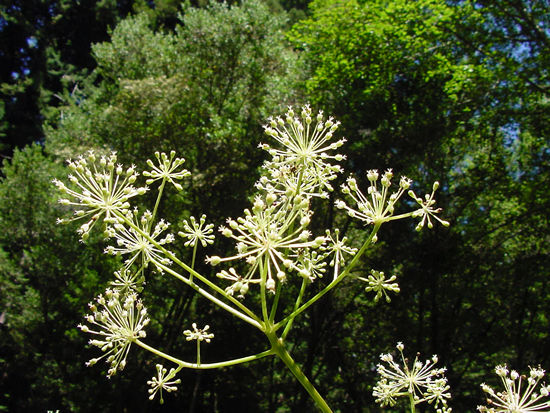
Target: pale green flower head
{"points": [[199, 334], [167, 169], [427, 210], [337, 248], [162, 381], [131, 241], [303, 159], [378, 283], [274, 230], [197, 232], [378, 204]]}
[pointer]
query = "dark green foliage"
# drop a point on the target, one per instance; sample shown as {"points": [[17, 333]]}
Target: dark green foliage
{"points": [[45, 47], [45, 279], [450, 93]]}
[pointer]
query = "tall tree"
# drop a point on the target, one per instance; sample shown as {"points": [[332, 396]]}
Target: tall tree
{"points": [[456, 92], [45, 48]]}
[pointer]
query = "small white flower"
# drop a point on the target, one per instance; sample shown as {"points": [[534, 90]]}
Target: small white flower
{"points": [[127, 280], [273, 231], [301, 163], [378, 205], [427, 211], [337, 248], [132, 241], [101, 189], [378, 283], [239, 286], [198, 334]]}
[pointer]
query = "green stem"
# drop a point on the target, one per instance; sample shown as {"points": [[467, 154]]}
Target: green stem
{"points": [[198, 352], [296, 305], [193, 259], [275, 303], [335, 282], [206, 366], [412, 404], [263, 275], [157, 203], [281, 352]]}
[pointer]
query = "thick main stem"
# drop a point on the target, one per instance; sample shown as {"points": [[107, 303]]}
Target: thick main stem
{"points": [[281, 352]]}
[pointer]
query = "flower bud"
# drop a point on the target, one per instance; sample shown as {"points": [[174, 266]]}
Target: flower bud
{"points": [[214, 260], [270, 285]]}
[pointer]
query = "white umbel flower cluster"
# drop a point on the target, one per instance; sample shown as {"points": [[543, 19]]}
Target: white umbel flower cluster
{"points": [[422, 382], [379, 204], [273, 236], [519, 395], [197, 232], [167, 169], [378, 283], [116, 321], [101, 187], [199, 334], [135, 240], [164, 380], [301, 163], [274, 231]]}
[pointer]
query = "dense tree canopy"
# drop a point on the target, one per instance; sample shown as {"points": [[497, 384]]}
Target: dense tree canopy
{"points": [[451, 91]]}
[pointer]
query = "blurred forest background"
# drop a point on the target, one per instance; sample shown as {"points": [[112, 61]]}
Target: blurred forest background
{"points": [[456, 91]]}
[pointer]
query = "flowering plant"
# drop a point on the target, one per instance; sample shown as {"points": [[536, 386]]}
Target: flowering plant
{"points": [[272, 238]]}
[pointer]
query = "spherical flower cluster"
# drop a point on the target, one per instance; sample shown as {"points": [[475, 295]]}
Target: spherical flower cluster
{"points": [[301, 163], [423, 382], [102, 188], [275, 231], [162, 381], [378, 283], [116, 320], [197, 232], [517, 397], [166, 169]]}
